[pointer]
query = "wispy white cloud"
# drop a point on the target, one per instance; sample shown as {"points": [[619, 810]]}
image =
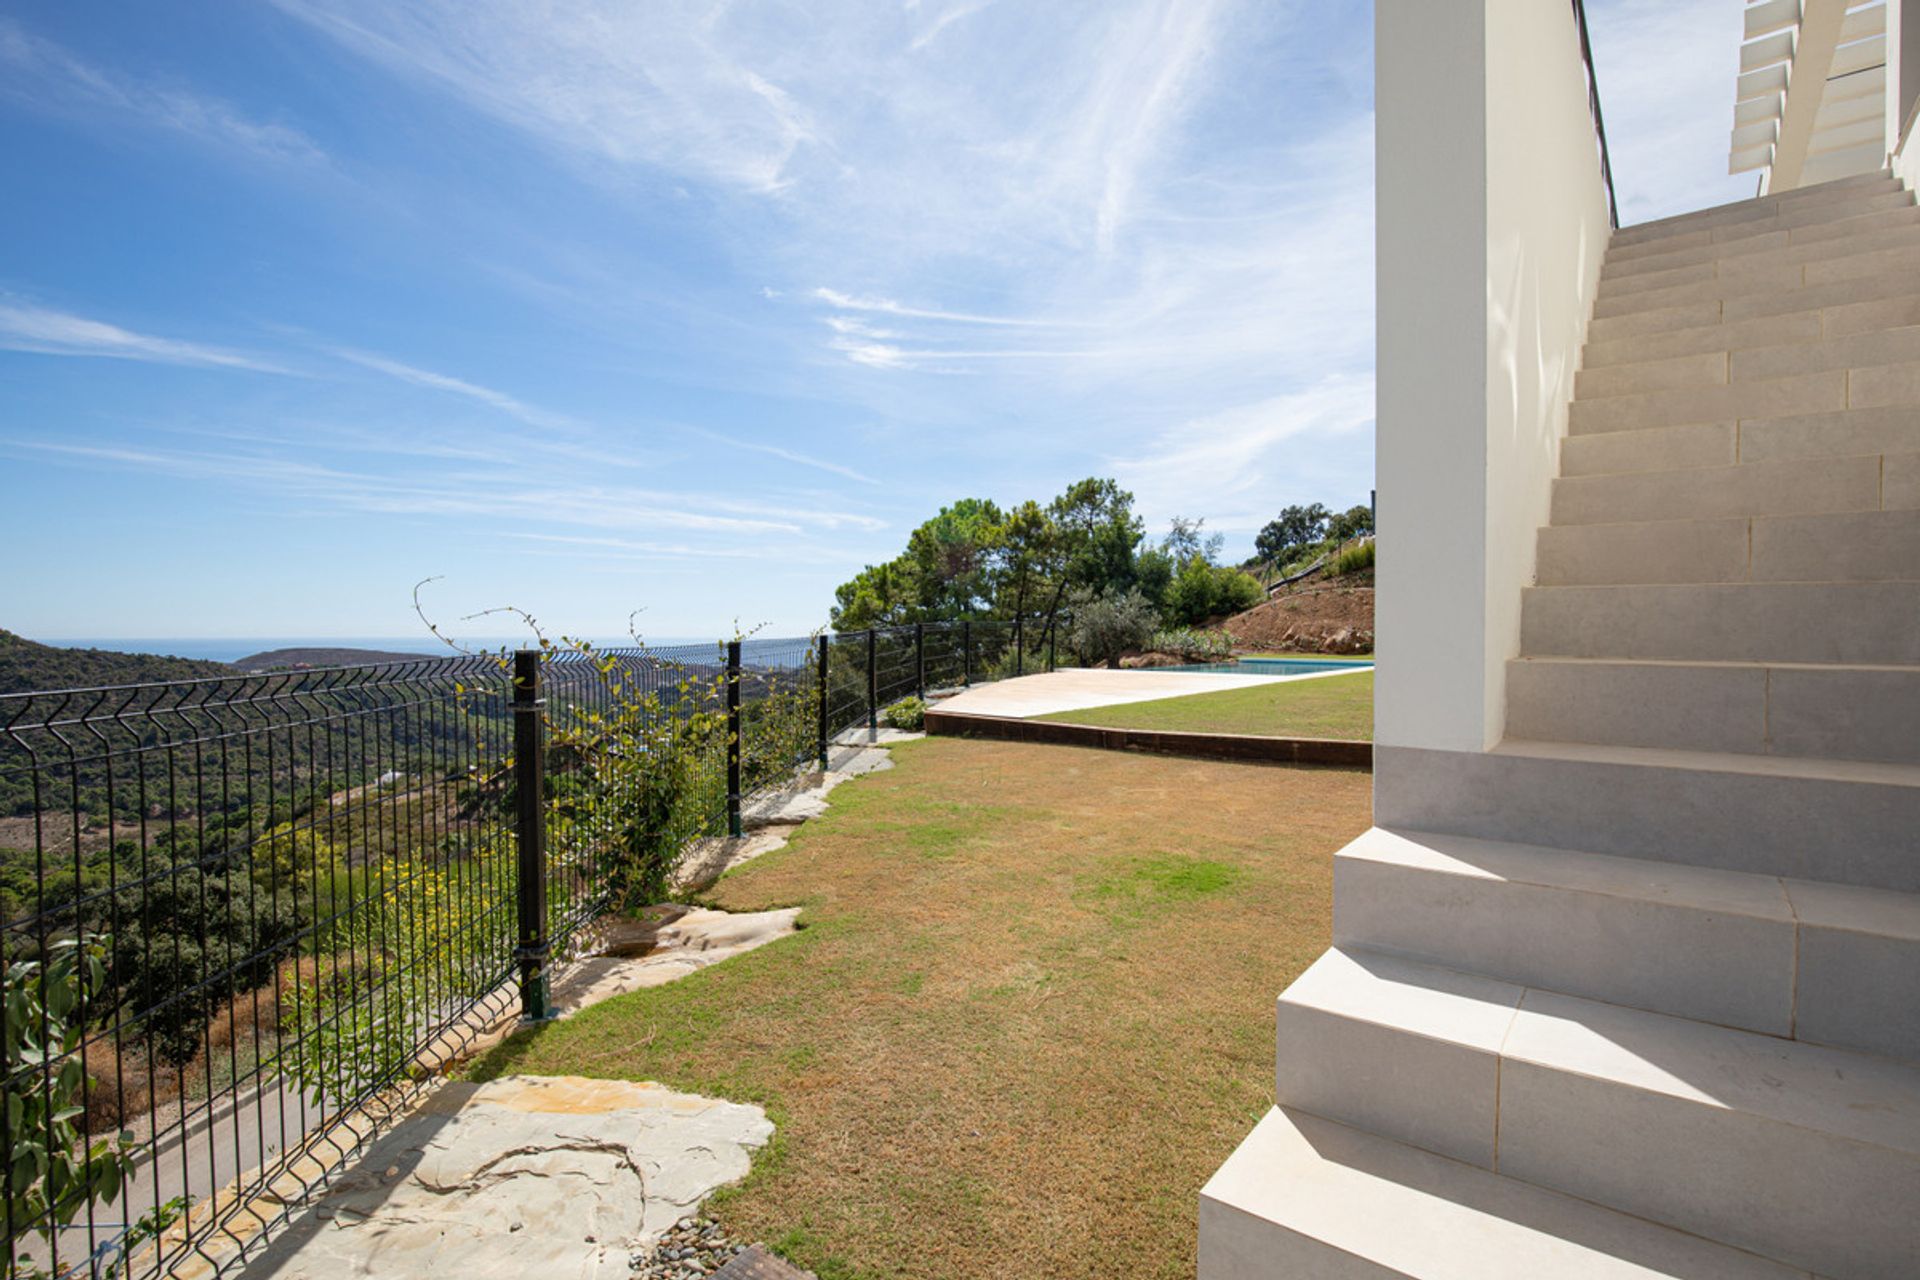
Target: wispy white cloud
{"points": [[887, 306], [46, 76], [1236, 464], [1666, 70], [415, 376], [788, 455], [504, 498], [39, 329]]}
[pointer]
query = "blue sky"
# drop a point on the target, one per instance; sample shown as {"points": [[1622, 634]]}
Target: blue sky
{"points": [[688, 308]]}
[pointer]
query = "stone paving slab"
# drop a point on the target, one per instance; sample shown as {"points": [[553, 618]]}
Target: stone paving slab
{"points": [[522, 1176], [635, 954]]}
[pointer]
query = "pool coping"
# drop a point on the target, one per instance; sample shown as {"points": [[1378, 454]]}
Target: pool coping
{"points": [[1242, 747]]}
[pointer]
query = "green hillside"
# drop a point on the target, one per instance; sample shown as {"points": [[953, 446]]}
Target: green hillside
{"points": [[26, 666]]}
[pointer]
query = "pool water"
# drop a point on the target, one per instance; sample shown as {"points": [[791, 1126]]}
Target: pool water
{"points": [[1275, 666]]}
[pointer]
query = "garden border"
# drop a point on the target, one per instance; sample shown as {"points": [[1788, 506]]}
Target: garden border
{"points": [[1204, 746]]}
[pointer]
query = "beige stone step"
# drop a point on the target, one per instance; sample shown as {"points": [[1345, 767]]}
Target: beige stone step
{"points": [[1766, 331], [1769, 279], [1773, 815], [1823, 711], [1732, 234], [1767, 254], [1860, 187], [1663, 373], [1700, 444], [1705, 249], [1632, 1110], [1659, 314], [1886, 429], [1883, 429], [1304, 1198], [1757, 952], [1854, 623], [1844, 292], [1738, 288], [1870, 546], [1873, 348], [1800, 486], [1822, 392]]}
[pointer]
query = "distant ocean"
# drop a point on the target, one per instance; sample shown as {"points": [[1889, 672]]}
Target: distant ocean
{"points": [[228, 650]]}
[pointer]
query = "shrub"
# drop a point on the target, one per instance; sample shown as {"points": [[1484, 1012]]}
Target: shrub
{"points": [[1201, 591], [51, 1170], [1107, 625], [909, 714], [1352, 560], [1186, 642]]}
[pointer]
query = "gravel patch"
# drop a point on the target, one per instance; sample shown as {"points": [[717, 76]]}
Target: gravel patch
{"points": [[696, 1246]]}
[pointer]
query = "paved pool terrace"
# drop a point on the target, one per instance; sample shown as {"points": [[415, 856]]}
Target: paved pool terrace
{"points": [[1078, 689]]}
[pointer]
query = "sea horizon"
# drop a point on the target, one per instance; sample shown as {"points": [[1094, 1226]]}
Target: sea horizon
{"points": [[234, 648]]}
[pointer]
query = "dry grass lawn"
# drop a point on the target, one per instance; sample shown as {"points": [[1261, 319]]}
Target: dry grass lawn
{"points": [[1029, 1014]]}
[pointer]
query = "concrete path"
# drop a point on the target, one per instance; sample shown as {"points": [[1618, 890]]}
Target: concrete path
{"points": [[1079, 689]]}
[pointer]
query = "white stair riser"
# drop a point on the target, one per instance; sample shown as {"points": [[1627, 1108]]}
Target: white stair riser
{"points": [[1891, 430], [1603, 1102], [1871, 623], [1862, 351], [1670, 373], [1304, 1198], [1644, 554], [1829, 714], [1746, 821], [1773, 279], [1384, 1081], [1855, 989], [1808, 201], [1871, 287], [1862, 548], [1661, 316], [1700, 444], [1776, 398], [1719, 967], [1874, 546], [1812, 1199], [1640, 324], [1767, 331], [1797, 487], [1619, 267], [1769, 252], [1688, 708]]}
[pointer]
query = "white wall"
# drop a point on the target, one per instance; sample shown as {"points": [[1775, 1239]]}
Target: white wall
{"points": [[1903, 87], [1491, 225]]}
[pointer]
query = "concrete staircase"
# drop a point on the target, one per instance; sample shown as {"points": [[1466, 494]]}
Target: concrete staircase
{"points": [[1637, 993]]}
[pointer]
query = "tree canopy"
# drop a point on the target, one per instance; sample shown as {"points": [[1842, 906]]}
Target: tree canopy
{"points": [[974, 559]]}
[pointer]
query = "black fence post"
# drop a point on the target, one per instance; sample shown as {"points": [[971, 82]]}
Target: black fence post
{"points": [[823, 701], [733, 738], [966, 651], [1019, 648], [873, 685], [1052, 633], [920, 660], [529, 784]]}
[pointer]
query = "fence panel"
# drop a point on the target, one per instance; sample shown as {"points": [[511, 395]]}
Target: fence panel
{"points": [[304, 887]]}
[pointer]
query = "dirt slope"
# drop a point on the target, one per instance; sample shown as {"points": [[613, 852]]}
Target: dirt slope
{"points": [[1316, 618]]}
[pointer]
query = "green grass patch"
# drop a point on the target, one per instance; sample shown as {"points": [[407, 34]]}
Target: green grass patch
{"points": [[1030, 976], [1325, 707]]}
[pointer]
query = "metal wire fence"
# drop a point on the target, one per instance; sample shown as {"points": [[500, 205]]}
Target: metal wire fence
{"points": [[243, 918]]}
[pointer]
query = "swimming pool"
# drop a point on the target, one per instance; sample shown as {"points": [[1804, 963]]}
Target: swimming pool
{"points": [[1276, 666]]}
